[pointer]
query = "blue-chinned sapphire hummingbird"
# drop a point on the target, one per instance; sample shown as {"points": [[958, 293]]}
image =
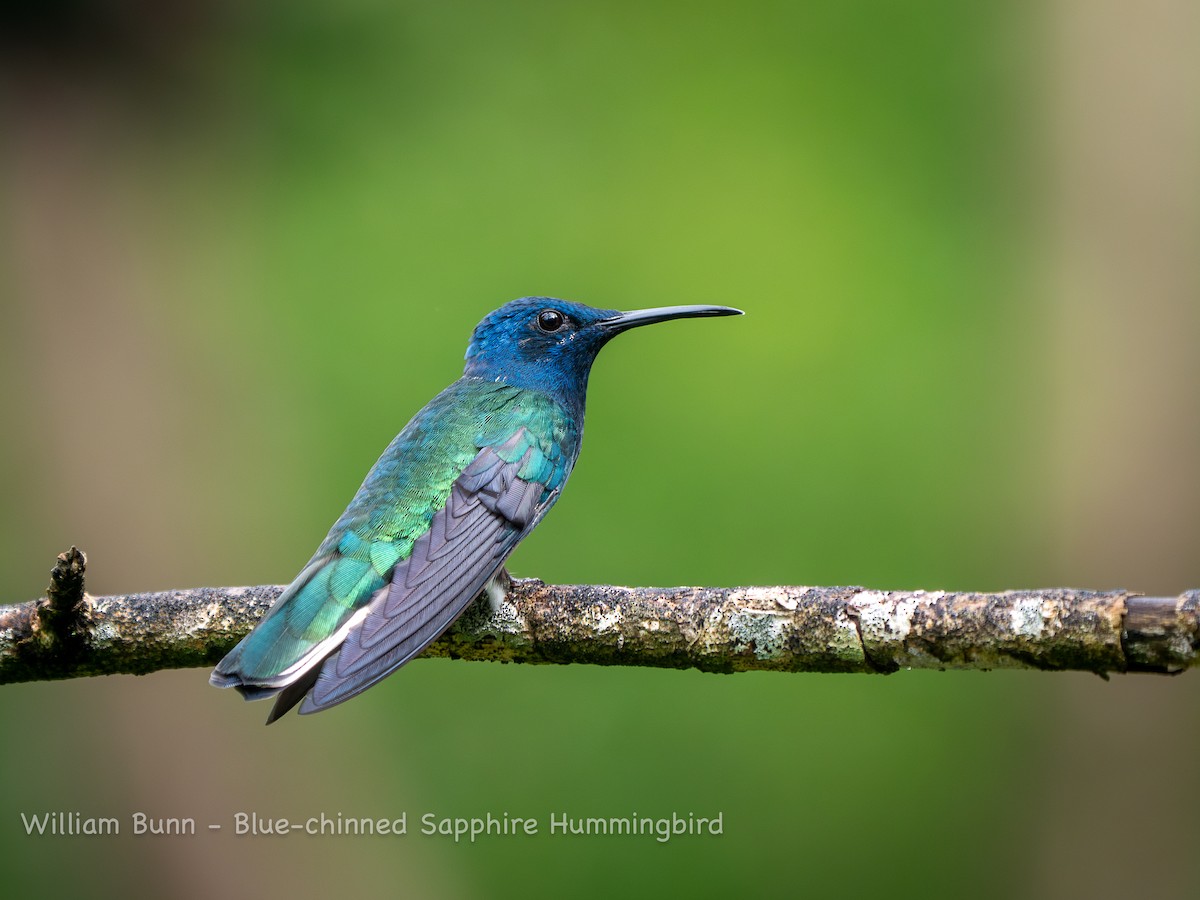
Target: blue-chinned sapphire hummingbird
{"points": [[440, 512]]}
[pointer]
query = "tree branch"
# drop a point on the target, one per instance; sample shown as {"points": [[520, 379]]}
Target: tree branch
{"points": [[69, 634]]}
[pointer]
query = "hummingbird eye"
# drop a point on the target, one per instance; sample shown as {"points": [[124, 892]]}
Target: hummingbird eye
{"points": [[549, 320]]}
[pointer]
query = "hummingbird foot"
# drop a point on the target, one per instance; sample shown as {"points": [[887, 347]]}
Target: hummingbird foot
{"points": [[496, 590]]}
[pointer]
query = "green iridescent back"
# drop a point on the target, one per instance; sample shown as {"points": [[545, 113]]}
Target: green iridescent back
{"points": [[409, 483]]}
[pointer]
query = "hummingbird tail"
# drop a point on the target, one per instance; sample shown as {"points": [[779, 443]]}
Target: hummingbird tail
{"points": [[255, 691], [289, 696], [283, 655]]}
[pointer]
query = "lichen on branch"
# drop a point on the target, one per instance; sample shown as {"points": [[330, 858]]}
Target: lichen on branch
{"points": [[791, 629]]}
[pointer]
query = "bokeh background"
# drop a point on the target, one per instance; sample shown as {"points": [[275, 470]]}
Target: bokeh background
{"points": [[243, 243]]}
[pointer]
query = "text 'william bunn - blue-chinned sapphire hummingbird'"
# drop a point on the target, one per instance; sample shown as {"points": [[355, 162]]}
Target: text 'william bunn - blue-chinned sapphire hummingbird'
{"points": [[440, 512]]}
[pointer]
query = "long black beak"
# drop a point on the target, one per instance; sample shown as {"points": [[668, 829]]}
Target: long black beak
{"points": [[662, 314]]}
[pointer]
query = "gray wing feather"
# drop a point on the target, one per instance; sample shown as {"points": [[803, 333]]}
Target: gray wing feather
{"points": [[487, 513]]}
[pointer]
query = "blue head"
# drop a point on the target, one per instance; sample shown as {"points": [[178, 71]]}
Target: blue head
{"points": [[549, 345]]}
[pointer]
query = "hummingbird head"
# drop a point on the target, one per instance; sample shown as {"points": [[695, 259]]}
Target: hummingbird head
{"points": [[549, 345]]}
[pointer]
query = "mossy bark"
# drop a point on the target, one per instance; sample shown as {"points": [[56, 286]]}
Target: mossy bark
{"points": [[789, 629]]}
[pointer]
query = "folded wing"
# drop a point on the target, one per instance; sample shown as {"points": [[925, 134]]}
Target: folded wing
{"points": [[492, 505]]}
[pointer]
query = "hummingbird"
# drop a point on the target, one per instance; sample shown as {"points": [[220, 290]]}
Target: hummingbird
{"points": [[440, 512]]}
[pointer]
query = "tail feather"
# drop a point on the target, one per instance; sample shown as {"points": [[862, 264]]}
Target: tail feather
{"points": [[255, 691], [283, 655], [293, 693]]}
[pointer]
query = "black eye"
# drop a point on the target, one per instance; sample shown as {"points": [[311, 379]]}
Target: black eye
{"points": [[550, 320]]}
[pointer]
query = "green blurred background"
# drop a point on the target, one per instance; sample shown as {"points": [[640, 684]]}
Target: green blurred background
{"points": [[241, 246]]}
